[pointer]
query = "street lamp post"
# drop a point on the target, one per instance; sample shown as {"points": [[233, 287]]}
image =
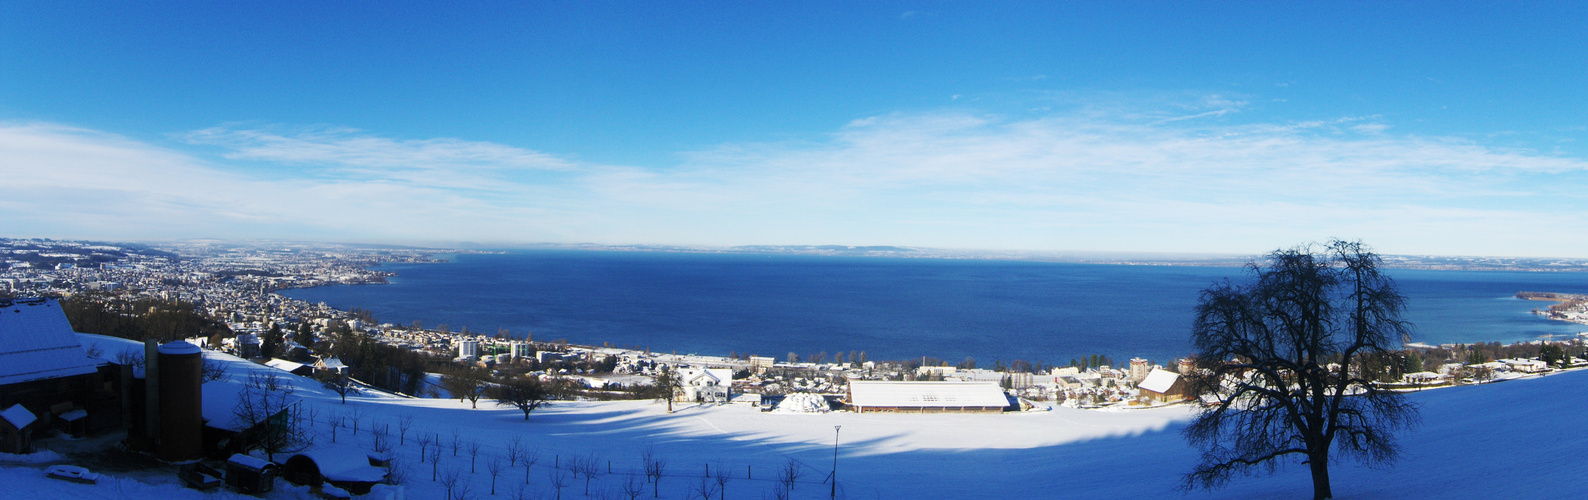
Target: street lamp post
{"points": [[834, 493]]}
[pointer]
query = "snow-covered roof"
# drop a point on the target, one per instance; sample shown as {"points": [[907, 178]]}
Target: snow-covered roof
{"points": [[178, 348], [18, 416], [1159, 381], [707, 376], [249, 461], [978, 375], [344, 463], [283, 364], [37, 343], [111, 348], [331, 364], [221, 397], [925, 394]]}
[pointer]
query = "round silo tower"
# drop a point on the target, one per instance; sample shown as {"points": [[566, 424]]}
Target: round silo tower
{"points": [[181, 402]]}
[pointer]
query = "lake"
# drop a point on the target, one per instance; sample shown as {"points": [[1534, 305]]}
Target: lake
{"points": [[772, 305]]}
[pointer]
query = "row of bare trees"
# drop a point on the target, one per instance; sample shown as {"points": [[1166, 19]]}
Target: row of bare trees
{"points": [[268, 405], [561, 474]]}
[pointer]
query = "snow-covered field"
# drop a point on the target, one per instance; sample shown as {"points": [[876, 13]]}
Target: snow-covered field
{"points": [[1508, 440]]}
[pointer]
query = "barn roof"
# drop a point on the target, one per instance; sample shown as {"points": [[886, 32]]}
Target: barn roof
{"points": [[1159, 381], [37, 343], [926, 394]]}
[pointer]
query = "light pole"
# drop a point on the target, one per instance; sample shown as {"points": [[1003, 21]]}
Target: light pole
{"points": [[834, 493]]}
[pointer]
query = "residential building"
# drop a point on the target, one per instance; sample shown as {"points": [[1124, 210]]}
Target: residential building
{"points": [[1139, 368], [469, 349]]}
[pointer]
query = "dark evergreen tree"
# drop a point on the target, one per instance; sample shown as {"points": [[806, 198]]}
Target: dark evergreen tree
{"points": [[271, 345]]}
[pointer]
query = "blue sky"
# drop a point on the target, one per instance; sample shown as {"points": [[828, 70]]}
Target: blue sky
{"points": [[1421, 127]]}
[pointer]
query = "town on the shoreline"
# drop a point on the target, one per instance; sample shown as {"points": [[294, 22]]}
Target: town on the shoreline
{"points": [[234, 285]]}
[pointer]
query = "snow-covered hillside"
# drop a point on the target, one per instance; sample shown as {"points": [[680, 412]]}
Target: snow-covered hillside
{"points": [[1512, 439]]}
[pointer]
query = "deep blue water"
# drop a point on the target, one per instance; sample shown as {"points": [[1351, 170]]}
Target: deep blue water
{"points": [[891, 308]]}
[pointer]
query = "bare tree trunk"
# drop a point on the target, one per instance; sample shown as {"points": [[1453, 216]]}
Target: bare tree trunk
{"points": [[1320, 478]]}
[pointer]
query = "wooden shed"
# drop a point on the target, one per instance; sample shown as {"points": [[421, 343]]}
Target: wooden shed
{"points": [[16, 433], [249, 474]]}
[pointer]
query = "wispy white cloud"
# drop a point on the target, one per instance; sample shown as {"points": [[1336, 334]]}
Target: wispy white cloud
{"points": [[1091, 179], [1204, 114], [343, 152], [82, 183]]}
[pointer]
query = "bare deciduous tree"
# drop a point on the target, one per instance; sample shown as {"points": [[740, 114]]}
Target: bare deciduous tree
{"points": [[338, 382], [789, 474], [529, 457], [526, 394], [212, 371], [380, 443], [467, 383], [424, 443], [451, 481], [356, 417], [404, 422], [654, 468], [435, 463], [515, 447], [589, 466], [667, 385], [335, 421], [270, 415], [559, 480], [722, 477], [396, 473], [1285, 347], [493, 466], [705, 488], [474, 454], [132, 358], [633, 487]]}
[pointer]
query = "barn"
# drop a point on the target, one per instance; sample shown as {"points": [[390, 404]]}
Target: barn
{"points": [[867, 396], [45, 369], [1163, 386]]}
